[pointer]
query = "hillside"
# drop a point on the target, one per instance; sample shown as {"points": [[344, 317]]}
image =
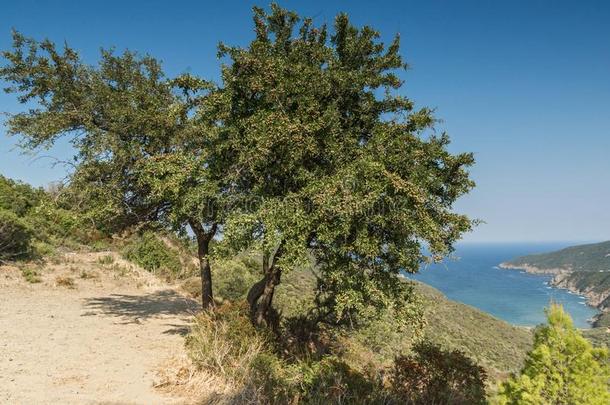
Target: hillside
{"points": [[583, 269], [590, 257], [493, 343]]}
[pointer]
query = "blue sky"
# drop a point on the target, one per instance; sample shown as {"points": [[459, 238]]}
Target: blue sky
{"points": [[525, 85]]}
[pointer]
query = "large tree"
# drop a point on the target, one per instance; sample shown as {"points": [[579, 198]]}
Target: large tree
{"points": [[142, 140], [340, 166]]}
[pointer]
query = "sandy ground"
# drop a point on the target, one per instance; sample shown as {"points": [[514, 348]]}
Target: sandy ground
{"points": [[100, 341]]}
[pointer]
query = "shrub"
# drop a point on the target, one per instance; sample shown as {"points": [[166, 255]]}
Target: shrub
{"points": [[152, 254], [225, 342], [30, 274], [562, 368], [15, 236], [17, 197], [435, 376], [233, 278]]}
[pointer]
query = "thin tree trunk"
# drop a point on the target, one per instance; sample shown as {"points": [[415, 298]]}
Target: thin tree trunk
{"points": [[203, 253]]}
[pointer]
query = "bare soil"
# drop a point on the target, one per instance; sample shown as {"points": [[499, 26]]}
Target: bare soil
{"points": [[94, 330]]}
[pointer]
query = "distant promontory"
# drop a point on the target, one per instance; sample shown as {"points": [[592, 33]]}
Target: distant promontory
{"points": [[582, 269]]}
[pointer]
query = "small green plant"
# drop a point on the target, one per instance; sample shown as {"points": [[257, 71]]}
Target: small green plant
{"points": [[30, 274], [105, 260]]}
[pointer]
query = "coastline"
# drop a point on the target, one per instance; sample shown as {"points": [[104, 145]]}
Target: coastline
{"points": [[561, 280]]}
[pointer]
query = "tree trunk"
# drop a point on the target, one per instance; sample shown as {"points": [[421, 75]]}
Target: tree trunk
{"points": [[207, 297], [203, 252], [260, 296]]}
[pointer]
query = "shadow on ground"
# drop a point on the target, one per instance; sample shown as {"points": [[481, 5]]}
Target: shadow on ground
{"points": [[138, 308]]}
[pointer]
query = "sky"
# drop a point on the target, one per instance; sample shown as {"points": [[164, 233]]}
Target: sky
{"points": [[524, 85]]}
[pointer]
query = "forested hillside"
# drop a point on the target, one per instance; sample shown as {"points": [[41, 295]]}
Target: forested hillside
{"points": [[591, 257]]}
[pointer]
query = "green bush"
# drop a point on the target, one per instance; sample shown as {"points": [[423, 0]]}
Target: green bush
{"points": [[151, 253], [435, 376], [19, 198], [233, 278], [15, 236], [31, 274], [562, 368]]}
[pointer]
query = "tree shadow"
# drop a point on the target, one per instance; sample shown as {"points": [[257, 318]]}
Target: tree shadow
{"points": [[138, 308]]}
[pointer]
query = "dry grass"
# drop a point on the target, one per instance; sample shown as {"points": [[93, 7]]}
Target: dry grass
{"points": [[181, 377], [64, 281], [222, 348]]}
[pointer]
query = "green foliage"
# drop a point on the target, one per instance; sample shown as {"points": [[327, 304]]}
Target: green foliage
{"points": [[15, 236], [335, 165], [35, 222], [562, 368], [491, 342], [325, 381], [151, 253], [139, 149], [19, 198], [232, 278], [31, 274], [434, 376]]}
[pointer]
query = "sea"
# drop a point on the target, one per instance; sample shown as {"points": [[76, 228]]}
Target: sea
{"points": [[472, 276]]}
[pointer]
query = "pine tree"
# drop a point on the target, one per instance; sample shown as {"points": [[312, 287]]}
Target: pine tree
{"points": [[562, 368]]}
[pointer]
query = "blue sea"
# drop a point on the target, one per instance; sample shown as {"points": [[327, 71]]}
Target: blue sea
{"points": [[472, 277]]}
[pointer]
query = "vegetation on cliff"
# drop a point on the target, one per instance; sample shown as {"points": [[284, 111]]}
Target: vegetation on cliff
{"points": [[586, 258]]}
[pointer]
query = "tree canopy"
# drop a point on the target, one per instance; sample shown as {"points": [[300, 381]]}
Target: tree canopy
{"points": [[140, 144], [341, 166], [308, 152]]}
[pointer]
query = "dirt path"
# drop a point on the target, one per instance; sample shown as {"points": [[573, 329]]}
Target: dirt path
{"points": [[100, 341]]}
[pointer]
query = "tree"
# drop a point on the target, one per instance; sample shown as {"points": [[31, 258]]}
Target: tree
{"points": [[141, 139], [562, 368], [338, 168]]}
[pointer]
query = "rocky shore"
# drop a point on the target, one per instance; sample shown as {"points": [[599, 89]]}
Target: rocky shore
{"points": [[567, 279]]}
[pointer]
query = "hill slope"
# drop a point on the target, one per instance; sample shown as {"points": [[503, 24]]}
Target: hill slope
{"points": [[591, 257], [497, 345]]}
